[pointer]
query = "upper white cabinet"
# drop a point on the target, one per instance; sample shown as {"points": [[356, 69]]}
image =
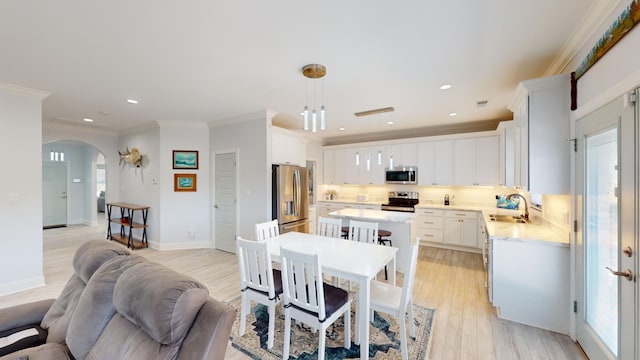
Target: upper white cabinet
{"points": [[346, 168], [402, 154], [288, 147], [328, 166], [509, 152], [476, 161], [435, 162], [371, 165], [541, 111]]}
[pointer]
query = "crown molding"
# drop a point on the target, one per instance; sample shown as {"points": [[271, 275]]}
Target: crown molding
{"points": [[592, 22], [23, 91]]}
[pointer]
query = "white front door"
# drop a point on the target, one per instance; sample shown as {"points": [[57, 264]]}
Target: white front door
{"points": [[605, 240], [224, 208], [54, 194]]}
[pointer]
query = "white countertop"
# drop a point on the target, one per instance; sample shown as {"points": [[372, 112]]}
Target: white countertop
{"points": [[375, 215], [533, 231], [351, 201]]}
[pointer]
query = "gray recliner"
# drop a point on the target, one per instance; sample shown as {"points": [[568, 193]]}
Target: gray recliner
{"points": [[130, 308]]}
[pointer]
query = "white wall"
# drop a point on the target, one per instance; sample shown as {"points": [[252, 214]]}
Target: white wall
{"points": [[185, 217], [21, 184], [250, 135], [141, 186]]}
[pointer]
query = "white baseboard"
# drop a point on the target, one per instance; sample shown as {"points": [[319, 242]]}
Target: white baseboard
{"points": [[16, 286], [180, 245]]}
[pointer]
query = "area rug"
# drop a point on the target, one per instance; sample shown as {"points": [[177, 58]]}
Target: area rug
{"points": [[384, 335]]}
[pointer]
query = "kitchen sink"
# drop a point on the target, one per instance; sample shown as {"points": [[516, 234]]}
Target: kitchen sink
{"points": [[508, 218]]}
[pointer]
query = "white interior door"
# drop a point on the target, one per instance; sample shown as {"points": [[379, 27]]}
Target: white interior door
{"points": [[225, 207], [54, 194], [605, 211]]}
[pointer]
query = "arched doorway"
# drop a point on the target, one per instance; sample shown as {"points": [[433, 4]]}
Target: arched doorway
{"points": [[74, 178]]}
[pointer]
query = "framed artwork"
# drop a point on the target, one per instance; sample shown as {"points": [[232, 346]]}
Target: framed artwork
{"points": [[184, 182], [185, 159]]}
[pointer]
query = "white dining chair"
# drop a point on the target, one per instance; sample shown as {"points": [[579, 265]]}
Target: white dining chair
{"points": [[267, 230], [396, 301], [259, 282], [363, 231], [309, 300], [330, 227]]}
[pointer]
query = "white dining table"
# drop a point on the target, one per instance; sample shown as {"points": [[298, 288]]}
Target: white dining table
{"points": [[348, 260]]}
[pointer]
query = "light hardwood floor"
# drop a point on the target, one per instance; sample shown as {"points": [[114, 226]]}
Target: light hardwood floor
{"points": [[452, 282]]}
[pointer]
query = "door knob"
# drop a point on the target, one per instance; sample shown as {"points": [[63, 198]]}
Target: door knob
{"points": [[627, 273]]}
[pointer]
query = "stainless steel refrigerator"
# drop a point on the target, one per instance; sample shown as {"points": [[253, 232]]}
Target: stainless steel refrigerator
{"points": [[290, 197]]}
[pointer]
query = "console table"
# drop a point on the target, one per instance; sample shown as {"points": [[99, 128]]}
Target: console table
{"points": [[127, 225]]}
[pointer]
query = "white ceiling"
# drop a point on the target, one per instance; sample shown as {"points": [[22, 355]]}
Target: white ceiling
{"points": [[205, 60]]}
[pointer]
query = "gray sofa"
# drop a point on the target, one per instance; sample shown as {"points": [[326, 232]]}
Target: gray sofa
{"points": [[122, 306]]}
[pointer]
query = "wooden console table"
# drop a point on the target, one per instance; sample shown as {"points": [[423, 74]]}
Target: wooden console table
{"points": [[127, 225]]}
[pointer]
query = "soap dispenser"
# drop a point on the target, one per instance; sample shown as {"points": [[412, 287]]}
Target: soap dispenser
{"points": [[446, 199]]}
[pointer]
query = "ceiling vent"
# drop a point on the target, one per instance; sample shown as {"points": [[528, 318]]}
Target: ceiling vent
{"points": [[482, 103]]}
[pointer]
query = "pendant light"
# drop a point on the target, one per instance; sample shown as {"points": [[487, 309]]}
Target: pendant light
{"points": [[314, 71]]}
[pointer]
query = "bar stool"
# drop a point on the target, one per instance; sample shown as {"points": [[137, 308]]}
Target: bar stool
{"points": [[382, 237], [383, 240], [345, 232]]}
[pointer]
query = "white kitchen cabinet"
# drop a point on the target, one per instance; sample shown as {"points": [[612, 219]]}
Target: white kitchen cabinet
{"points": [[324, 208], [288, 147], [402, 154], [461, 228], [530, 282], [541, 110], [372, 164], [476, 161], [435, 163], [431, 225], [328, 166], [369, 206], [345, 169], [508, 152]]}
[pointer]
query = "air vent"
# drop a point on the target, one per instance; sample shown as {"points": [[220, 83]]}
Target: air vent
{"points": [[481, 103]]}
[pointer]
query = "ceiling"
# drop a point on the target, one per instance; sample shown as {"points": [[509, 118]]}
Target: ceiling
{"points": [[205, 60]]}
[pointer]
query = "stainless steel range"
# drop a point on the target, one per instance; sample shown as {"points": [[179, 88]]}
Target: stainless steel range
{"points": [[401, 201]]}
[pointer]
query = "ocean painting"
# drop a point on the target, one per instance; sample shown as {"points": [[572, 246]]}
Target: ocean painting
{"points": [[185, 159]]}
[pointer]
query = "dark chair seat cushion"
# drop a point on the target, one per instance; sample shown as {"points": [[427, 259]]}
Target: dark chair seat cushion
{"points": [[277, 284], [334, 299]]}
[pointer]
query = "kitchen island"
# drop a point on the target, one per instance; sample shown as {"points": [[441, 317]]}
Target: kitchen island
{"points": [[403, 227]]}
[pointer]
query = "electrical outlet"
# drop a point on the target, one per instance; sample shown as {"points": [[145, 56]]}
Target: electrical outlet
{"points": [[565, 217]]}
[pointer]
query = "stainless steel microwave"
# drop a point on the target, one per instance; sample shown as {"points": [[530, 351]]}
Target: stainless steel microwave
{"points": [[401, 175]]}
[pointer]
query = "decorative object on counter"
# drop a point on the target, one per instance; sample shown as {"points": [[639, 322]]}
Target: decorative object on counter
{"points": [[185, 159], [314, 71], [131, 157], [504, 203], [184, 182], [331, 195], [446, 199]]}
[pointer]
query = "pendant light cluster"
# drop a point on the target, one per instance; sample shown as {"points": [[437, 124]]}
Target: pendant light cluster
{"points": [[310, 119]]}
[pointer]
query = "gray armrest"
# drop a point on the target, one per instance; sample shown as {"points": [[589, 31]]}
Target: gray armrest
{"points": [[209, 335], [24, 314]]}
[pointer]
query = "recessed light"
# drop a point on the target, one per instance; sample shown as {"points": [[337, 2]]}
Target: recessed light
{"points": [[132, 101], [341, 129], [389, 122], [87, 120], [445, 87], [453, 114]]}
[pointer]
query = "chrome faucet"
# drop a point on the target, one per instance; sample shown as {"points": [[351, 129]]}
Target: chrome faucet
{"points": [[526, 206]]}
